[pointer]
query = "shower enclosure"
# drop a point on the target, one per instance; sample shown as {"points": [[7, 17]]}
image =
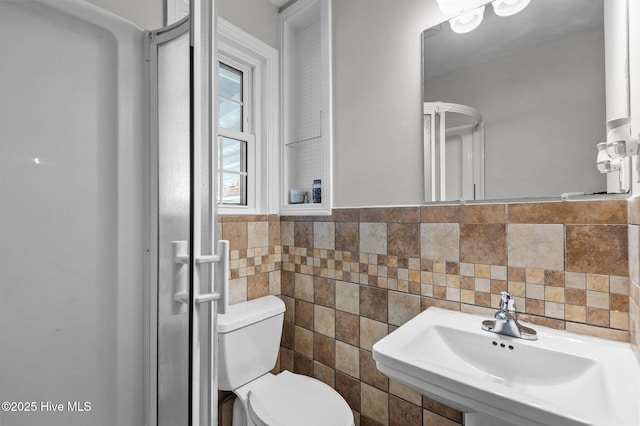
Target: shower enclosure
{"points": [[104, 170], [453, 152]]}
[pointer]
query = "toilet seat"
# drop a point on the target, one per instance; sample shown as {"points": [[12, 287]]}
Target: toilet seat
{"points": [[290, 399]]}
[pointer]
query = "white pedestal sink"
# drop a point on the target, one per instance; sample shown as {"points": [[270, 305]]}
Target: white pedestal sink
{"points": [[560, 379]]}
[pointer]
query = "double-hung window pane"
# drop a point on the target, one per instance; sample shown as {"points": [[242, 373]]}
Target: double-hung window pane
{"points": [[233, 171], [233, 136], [231, 99]]}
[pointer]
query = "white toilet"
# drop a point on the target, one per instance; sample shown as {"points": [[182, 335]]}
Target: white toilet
{"points": [[249, 340]]}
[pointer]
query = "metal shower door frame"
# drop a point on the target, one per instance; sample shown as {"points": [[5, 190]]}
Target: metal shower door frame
{"points": [[201, 289]]}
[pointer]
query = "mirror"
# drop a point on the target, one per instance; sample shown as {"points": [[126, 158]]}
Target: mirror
{"points": [[537, 81]]}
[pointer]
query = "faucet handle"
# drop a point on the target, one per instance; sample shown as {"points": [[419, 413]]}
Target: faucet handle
{"points": [[507, 303]]}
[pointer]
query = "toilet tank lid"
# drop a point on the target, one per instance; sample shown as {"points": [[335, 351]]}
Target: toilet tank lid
{"points": [[249, 312]]}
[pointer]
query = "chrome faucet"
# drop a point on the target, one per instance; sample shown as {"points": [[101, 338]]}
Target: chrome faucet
{"points": [[506, 323]]}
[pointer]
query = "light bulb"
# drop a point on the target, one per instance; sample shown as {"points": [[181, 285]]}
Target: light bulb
{"points": [[467, 21], [509, 7]]}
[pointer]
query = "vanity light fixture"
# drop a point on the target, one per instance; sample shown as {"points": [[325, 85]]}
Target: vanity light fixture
{"points": [[604, 162], [509, 7], [467, 20], [620, 144], [468, 14]]}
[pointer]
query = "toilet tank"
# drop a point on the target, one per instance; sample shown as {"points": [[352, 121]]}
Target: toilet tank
{"points": [[248, 340]]}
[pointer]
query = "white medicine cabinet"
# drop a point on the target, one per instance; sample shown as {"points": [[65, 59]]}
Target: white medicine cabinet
{"points": [[306, 146]]}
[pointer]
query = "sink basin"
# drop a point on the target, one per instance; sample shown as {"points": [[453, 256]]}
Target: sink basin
{"points": [[560, 379]]}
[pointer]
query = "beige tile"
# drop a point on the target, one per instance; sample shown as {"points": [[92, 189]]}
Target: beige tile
{"points": [[402, 307], [304, 287], [303, 341], [535, 276], [575, 313], [370, 332], [467, 269], [482, 271], [605, 333], [237, 290], [554, 310], [535, 291], [257, 234], [375, 404], [597, 299], [575, 280], [257, 286], [453, 281], [440, 241], [453, 294], [404, 392], [536, 246], [236, 233], [597, 282], [324, 320], [275, 287], [619, 320], [286, 233], [468, 296], [517, 289], [347, 359], [348, 297], [373, 238], [498, 272], [619, 285], [439, 266], [324, 235], [482, 285], [554, 294], [477, 310], [426, 290]]}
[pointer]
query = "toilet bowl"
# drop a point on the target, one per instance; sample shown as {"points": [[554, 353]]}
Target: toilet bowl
{"points": [[249, 340]]}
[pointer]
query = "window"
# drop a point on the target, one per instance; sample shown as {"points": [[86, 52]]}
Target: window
{"points": [[248, 155], [236, 140]]}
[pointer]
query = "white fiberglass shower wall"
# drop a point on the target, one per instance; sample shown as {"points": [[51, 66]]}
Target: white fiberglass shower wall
{"points": [[72, 245]]}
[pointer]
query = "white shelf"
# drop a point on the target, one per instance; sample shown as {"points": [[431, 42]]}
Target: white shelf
{"points": [[305, 47]]}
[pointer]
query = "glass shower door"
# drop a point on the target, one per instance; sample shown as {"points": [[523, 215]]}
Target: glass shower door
{"points": [[182, 226], [171, 159]]}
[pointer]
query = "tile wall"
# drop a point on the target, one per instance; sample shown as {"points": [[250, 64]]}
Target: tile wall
{"points": [[634, 274], [349, 279], [255, 255]]}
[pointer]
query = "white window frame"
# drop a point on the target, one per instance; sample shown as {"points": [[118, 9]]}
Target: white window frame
{"points": [[247, 135], [238, 47]]}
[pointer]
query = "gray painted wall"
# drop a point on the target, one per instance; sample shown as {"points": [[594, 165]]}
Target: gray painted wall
{"points": [[257, 17], [377, 100]]}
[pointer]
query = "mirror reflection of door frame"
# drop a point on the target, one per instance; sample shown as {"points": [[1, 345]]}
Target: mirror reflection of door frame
{"points": [[435, 158]]}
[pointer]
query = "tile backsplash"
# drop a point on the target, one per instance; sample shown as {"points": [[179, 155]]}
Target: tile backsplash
{"points": [[351, 278]]}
